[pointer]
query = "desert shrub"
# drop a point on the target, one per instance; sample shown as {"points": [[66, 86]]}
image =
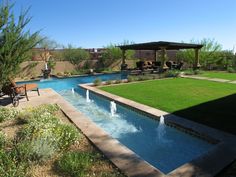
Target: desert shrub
{"points": [[42, 148], [75, 72], [65, 135], [192, 72], [67, 73], [7, 113], [9, 166], [143, 77], [76, 163], [2, 140], [231, 70], [39, 149], [118, 81], [172, 73], [109, 82], [60, 74], [42, 125], [130, 78], [97, 82]]}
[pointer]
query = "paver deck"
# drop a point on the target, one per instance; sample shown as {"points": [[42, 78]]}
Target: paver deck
{"points": [[125, 159]]}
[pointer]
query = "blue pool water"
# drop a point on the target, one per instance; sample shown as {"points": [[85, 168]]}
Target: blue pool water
{"points": [[136, 131]]}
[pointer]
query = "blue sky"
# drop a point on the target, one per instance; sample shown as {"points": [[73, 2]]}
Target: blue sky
{"points": [[96, 23]]}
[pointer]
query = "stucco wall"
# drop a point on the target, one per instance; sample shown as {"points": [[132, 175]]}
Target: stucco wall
{"points": [[35, 68]]}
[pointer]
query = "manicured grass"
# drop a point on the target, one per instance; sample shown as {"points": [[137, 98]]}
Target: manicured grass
{"points": [[207, 102], [220, 75]]}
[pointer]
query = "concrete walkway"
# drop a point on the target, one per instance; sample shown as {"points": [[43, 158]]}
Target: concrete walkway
{"points": [[208, 78]]}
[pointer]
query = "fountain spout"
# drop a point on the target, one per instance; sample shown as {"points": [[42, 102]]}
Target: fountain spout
{"points": [[113, 108], [161, 129], [72, 90], [87, 96]]}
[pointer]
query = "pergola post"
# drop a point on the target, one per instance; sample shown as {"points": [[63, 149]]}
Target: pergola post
{"points": [[197, 63], [163, 59], [155, 55], [123, 64]]}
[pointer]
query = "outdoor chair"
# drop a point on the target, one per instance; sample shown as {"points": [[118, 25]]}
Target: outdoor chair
{"points": [[179, 65], [14, 91]]}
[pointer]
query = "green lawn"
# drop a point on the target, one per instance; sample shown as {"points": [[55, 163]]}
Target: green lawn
{"points": [[207, 102], [220, 75]]}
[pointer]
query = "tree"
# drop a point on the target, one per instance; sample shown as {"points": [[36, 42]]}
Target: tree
{"points": [[46, 42], [75, 55], [113, 53], [206, 54], [15, 41]]}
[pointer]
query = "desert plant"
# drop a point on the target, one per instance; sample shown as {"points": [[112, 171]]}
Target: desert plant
{"points": [[172, 73], [42, 125], [118, 81], [65, 135], [76, 163], [75, 55], [231, 70], [109, 82], [51, 63], [15, 41], [9, 167], [97, 81], [7, 113], [2, 140], [130, 78], [39, 149]]}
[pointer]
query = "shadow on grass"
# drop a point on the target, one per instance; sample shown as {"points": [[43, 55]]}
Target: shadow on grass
{"points": [[219, 113]]}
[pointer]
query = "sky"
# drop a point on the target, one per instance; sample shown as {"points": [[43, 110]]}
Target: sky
{"points": [[97, 23]]}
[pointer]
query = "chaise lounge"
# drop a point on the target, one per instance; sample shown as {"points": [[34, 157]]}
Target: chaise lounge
{"points": [[13, 90]]}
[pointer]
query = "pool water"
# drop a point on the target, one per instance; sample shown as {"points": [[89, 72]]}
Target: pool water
{"points": [[136, 131]]}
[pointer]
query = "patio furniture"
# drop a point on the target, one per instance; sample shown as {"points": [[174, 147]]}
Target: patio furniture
{"points": [[15, 91]]}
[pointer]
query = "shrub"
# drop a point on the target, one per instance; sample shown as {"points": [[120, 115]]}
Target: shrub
{"points": [[65, 135], [172, 73], [97, 82], [192, 72], [109, 82], [231, 70], [43, 125], [42, 148], [130, 79], [2, 140], [118, 81], [60, 74], [7, 113], [143, 78], [9, 166], [75, 163], [39, 150]]}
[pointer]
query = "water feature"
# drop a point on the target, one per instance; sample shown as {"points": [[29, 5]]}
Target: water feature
{"points": [[113, 108], [136, 131], [46, 66], [73, 90], [87, 97], [161, 131]]}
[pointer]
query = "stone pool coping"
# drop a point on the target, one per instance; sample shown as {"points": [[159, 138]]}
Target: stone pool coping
{"points": [[208, 164], [125, 159]]}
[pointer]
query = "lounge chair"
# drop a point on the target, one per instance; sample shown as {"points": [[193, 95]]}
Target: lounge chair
{"points": [[13, 89]]}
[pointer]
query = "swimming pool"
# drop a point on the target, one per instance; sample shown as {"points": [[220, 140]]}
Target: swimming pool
{"points": [[134, 130]]}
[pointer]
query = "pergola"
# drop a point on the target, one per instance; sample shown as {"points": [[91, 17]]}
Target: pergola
{"points": [[161, 46]]}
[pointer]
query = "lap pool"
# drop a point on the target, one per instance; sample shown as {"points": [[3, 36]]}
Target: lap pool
{"points": [[166, 150]]}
